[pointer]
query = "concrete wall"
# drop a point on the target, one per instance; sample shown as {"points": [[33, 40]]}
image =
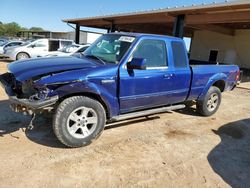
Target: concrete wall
{"points": [[71, 36], [232, 49], [83, 37], [91, 37]]}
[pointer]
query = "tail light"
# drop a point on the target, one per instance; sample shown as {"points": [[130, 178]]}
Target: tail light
{"points": [[237, 77]]}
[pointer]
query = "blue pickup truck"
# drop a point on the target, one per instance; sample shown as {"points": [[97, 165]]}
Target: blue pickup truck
{"points": [[120, 76]]}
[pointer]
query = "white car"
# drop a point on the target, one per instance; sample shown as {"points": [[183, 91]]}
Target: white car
{"points": [[69, 50], [37, 48], [9, 44]]}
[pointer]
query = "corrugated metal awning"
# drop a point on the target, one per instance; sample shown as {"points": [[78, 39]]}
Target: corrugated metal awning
{"points": [[215, 17]]}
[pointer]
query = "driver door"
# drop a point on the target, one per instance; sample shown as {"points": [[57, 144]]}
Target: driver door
{"points": [[142, 89]]}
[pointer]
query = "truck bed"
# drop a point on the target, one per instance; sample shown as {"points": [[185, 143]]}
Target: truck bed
{"points": [[203, 74]]}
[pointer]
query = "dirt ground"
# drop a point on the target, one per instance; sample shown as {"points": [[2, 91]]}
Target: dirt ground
{"points": [[177, 149]]}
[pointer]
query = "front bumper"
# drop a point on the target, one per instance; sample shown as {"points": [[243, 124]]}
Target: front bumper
{"points": [[26, 105], [34, 105]]}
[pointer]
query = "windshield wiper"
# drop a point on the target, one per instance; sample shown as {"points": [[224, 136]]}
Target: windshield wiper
{"points": [[96, 57]]}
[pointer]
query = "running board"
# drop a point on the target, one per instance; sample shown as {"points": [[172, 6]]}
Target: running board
{"points": [[146, 112]]}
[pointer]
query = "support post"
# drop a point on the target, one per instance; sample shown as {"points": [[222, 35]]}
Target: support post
{"points": [[112, 29], [77, 34], [179, 26]]}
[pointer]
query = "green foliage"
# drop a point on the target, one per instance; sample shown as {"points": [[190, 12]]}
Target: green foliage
{"points": [[12, 29], [36, 29]]}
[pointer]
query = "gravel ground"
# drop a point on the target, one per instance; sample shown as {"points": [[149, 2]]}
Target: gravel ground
{"points": [[177, 149]]}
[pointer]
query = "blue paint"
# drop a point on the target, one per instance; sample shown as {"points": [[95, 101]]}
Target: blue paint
{"points": [[122, 90]]}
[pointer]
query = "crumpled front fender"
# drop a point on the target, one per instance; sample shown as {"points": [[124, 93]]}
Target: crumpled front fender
{"points": [[80, 88]]}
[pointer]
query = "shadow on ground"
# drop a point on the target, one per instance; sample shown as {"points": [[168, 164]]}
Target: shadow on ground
{"points": [[12, 122], [42, 133], [231, 158]]}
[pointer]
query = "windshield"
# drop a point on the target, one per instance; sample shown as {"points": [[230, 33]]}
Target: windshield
{"points": [[110, 48], [27, 42], [2, 42], [69, 49]]}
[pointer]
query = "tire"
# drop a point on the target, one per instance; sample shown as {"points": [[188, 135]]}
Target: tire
{"points": [[78, 121], [22, 55], [211, 102]]}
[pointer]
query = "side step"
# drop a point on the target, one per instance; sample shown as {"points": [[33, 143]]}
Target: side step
{"points": [[146, 112]]}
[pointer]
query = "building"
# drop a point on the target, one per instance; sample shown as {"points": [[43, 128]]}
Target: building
{"points": [[85, 36], [219, 31]]}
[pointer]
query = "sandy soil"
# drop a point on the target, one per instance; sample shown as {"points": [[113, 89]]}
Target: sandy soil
{"points": [[177, 149]]}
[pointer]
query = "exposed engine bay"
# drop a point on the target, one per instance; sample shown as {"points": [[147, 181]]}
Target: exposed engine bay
{"points": [[25, 97]]}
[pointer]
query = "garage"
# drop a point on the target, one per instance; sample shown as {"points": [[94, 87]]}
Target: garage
{"points": [[219, 32]]}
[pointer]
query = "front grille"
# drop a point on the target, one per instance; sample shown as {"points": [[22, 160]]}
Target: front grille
{"points": [[28, 88], [10, 80]]}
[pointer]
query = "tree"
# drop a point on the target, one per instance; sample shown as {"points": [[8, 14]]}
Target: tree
{"points": [[36, 29], [9, 29], [13, 28]]}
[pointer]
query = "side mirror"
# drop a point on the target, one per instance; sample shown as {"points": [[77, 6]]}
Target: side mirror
{"points": [[137, 63], [32, 46]]}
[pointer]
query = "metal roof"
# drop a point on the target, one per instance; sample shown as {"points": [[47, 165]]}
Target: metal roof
{"points": [[223, 17], [176, 9]]}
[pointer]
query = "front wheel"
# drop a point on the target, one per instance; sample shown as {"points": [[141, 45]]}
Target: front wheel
{"points": [[78, 121], [210, 104], [22, 55]]}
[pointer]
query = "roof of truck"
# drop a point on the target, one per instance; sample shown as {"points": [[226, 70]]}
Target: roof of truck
{"points": [[145, 34]]}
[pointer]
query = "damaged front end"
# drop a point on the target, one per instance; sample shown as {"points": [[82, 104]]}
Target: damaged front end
{"points": [[27, 98]]}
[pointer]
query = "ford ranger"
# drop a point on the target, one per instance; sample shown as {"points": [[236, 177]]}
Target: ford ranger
{"points": [[120, 76]]}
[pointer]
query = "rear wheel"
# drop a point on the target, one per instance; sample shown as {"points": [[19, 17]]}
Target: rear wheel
{"points": [[210, 104], [78, 121], [22, 55]]}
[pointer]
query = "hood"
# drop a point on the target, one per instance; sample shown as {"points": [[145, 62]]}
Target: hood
{"points": [[27, 69], [57, 53]]}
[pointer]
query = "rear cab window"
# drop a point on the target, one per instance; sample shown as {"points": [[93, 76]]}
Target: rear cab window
{"points": [[179, 54]]}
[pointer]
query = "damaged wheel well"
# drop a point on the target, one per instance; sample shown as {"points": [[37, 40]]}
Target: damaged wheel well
{"points": [[90, 95]]}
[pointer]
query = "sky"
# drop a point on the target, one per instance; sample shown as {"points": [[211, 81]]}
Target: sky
{"points": [[49, 13]]}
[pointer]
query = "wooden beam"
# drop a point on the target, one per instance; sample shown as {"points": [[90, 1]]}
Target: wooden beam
{"points": [[147, 28], [214, 28], [232, 17], [145, 19]]}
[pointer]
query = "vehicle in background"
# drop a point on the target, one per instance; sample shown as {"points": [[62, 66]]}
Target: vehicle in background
{"points": [[69, 50], [120, 76], [37, 48], [3, 41], [8, 45]]}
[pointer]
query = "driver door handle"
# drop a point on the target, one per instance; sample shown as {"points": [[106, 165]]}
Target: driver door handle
{"points": [[168, 76]]}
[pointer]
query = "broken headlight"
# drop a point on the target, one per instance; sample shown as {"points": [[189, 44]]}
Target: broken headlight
{"points": [[41, 94]]}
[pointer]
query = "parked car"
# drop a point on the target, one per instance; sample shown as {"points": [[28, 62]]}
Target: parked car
{"points": [[8, 45], [37, 48], [121, 76], [3, 41], [69, 50]]}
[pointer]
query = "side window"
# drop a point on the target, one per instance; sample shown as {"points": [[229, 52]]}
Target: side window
{"points": [[40, 44], [15, 44], [154, 51], [65, 43], [179, 51]]}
